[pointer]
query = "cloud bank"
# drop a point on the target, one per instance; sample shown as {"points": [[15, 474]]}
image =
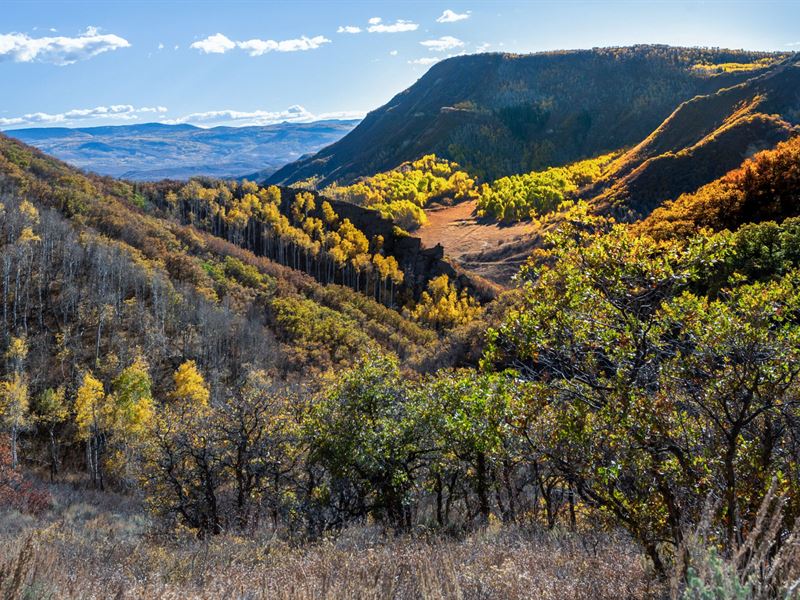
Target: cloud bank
{"points": [[220, 44], [211, 118], [376, 25], [295, 113], [123, 112], [443, 44], [58, 50]]}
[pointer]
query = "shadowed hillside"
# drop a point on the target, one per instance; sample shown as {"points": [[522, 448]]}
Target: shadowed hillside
{"points": [[706, 137], [498, 114]]}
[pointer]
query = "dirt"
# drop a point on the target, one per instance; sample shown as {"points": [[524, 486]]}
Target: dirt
{"points": [[489, 249]]}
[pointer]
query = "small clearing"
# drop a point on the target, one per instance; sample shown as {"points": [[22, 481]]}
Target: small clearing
{"points": [[489, 249]]}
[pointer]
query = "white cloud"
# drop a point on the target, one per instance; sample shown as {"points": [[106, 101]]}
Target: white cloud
{"points": [[448, 16], [483, 47], [348, 29], [793, 44], [160, 46], [393, 53], [399, 26], [259, 47], [427, 61], [219, 44], [128, 113], [58, 50], [214, 44], [296, 113], [443, 44], [123, 112]]}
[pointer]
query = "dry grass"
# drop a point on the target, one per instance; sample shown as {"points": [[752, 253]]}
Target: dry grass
{"points": [[95, 546]]}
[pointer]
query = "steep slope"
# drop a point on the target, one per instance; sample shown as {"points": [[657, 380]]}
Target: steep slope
{"points": [[154, 151], [766, 187], [703, 139], [498, 114], [101, 274]]}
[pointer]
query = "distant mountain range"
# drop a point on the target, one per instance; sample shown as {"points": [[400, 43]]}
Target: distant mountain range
{"points": [[500, 114], [153, 151]]}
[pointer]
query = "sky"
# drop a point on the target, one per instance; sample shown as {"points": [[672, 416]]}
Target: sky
{"points": [[81, 64]]}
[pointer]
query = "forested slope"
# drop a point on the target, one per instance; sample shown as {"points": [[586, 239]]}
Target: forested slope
{"points": [[705, 138], [250, 369], [92, 272], [502, 114]]}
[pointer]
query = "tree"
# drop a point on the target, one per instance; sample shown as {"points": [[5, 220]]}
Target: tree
{"points": [[736, 374], [443, 307], [651, 395], [361, 437], [14, 398], [190, 387], [130, 409], [91, 419], [470, 417], [260, 425], [14, 407], [51, 410], [183, 467]]}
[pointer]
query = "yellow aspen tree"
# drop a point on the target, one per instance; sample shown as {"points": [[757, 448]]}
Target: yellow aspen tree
{"points": [[14, 393], [50, 411], [190, 386], [14, 405], [90, 418], [131, 414]]}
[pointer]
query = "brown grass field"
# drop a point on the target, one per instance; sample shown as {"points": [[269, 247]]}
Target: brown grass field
{"points": [[98, 545], [489, 249]]}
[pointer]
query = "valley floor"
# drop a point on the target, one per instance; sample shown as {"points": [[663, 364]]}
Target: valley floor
{"points": [[98, 545], [487, 248]]}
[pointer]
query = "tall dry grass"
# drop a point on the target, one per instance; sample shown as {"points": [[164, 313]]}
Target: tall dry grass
{"points": [[765, 565], [99, 546]]}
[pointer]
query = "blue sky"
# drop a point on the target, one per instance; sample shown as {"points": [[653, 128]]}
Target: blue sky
{"points": [[238, 63]]}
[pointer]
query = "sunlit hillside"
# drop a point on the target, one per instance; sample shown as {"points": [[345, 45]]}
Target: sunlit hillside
{"points": [[529, 329]]}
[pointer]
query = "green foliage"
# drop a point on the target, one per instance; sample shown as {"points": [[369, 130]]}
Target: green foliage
{"points": [[316, 331], [132, 402], [402, 193], [724, 583], [650, 395], [362, 435], [522, 197], [470, 418]]}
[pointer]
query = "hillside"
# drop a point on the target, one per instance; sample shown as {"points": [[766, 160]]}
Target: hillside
{"points": [[154, 151], [219, 364], [119, 261], [530, 330], [704, 138], [764, 188], [499, 114]]}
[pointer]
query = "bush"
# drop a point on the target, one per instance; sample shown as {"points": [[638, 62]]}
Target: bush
{"points": [[15, 492]]}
